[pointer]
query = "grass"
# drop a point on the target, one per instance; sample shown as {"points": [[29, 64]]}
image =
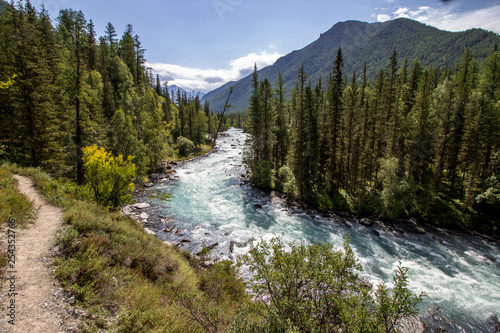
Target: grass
{"points": [[14, 207], [125, 279]]}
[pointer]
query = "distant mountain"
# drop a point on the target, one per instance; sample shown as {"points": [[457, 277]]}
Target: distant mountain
{"points": [[362, 42], [172, 90], [3, 4]]}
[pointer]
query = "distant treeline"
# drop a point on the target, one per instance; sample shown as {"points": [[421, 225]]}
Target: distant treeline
{"points": [[72, 89], [415, 142]]}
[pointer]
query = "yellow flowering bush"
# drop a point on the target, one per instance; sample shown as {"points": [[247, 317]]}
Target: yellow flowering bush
{"points": [[109, 178]]}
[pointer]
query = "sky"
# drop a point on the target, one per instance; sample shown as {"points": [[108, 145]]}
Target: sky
{"points": [[202, 44]]}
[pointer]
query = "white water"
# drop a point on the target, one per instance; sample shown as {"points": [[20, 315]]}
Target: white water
{"points": [[459, 273]]}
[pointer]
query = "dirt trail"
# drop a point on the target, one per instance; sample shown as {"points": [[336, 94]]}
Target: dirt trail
{"points": [[40, 304]]}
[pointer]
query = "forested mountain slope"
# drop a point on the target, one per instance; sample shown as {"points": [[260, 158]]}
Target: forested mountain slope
{"points": [[361, 42]]}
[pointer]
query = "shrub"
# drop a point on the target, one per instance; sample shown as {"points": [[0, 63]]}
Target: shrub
{"points": [[317, 289], [285, 181], [397, 192], [185, 146], [263, 175], [109, 178]]}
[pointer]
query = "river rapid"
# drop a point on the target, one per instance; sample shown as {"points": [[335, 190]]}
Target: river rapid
{"points": [[460, 273]]}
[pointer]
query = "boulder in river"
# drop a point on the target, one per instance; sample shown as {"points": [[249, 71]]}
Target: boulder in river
{"points": [[185, 240], [213, 246], [492, 320], [366, 221], [169, 229], [257, 206]]}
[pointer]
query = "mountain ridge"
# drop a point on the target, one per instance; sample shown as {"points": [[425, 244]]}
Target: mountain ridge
{"points": [[362, 42]]}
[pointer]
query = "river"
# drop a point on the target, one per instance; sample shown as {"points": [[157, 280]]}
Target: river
{"points": [[460, 273]]}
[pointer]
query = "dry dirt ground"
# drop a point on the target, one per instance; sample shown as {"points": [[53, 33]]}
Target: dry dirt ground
{"points": [[40, 305]]}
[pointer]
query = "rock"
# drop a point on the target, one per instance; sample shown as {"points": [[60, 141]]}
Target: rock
{"points": [[185, 240], [492, 320], [257, 206], [149, 231], [366, 222], [148, 184], [376, 233], [170, 243], [169, 229], [144, 216], [207, 263], [141, 205], [178, 231], [411, 325], [232, 244], [213, 246]]}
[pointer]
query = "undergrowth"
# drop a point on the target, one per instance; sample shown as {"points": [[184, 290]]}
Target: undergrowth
{"points": [[125, 279], [15, 208]]}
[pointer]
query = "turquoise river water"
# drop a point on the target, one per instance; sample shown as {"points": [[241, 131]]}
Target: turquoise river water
{"points": [[460, 273]]}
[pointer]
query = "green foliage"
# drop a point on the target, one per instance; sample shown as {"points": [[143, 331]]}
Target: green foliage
{"points": [[13, 205], [72, 89], [109, 178], [7, 84], [396, 192], [215, 303], [285, 181], [263, 175], [185, 146], [318, 289], [396, 147]]}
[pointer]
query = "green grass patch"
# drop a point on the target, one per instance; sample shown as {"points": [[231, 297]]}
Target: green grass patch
{"points": [[15, 208]]}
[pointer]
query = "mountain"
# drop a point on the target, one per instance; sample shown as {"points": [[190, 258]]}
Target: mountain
{"points": [[172, 90], [362, 42], [3, 4]]}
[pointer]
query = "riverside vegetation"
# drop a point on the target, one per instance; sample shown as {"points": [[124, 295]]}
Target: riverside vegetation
{"points": [[74, 107], [417, 142]]}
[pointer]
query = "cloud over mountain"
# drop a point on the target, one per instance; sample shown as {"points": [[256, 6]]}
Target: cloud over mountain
{"points": [[446, 17], [208, 79]]}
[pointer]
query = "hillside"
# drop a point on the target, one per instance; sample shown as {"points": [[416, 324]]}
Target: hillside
{"points": [[362, 42], [3, 4]]}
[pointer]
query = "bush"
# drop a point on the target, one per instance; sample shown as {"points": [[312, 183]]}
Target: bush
{"points": [[317, 289], [185, 146], [285, 181], [397, 192], [109, 178], [263, 175]]}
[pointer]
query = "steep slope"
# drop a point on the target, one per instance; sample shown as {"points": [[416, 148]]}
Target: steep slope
{"points": [[3, 4], [362, 42]]}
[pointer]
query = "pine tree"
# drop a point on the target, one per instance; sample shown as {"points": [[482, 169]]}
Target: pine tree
{"points": [[111, 39], [335, 112], [464, 79], [281, 146]]}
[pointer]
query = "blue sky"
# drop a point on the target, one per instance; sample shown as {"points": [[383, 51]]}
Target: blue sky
{"points": [[201, 44]]}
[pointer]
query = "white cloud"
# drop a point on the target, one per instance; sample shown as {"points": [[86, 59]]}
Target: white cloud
{"points": [[402, 12], [449, 18], [209, 79], [486, 18], [383, 17]]}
